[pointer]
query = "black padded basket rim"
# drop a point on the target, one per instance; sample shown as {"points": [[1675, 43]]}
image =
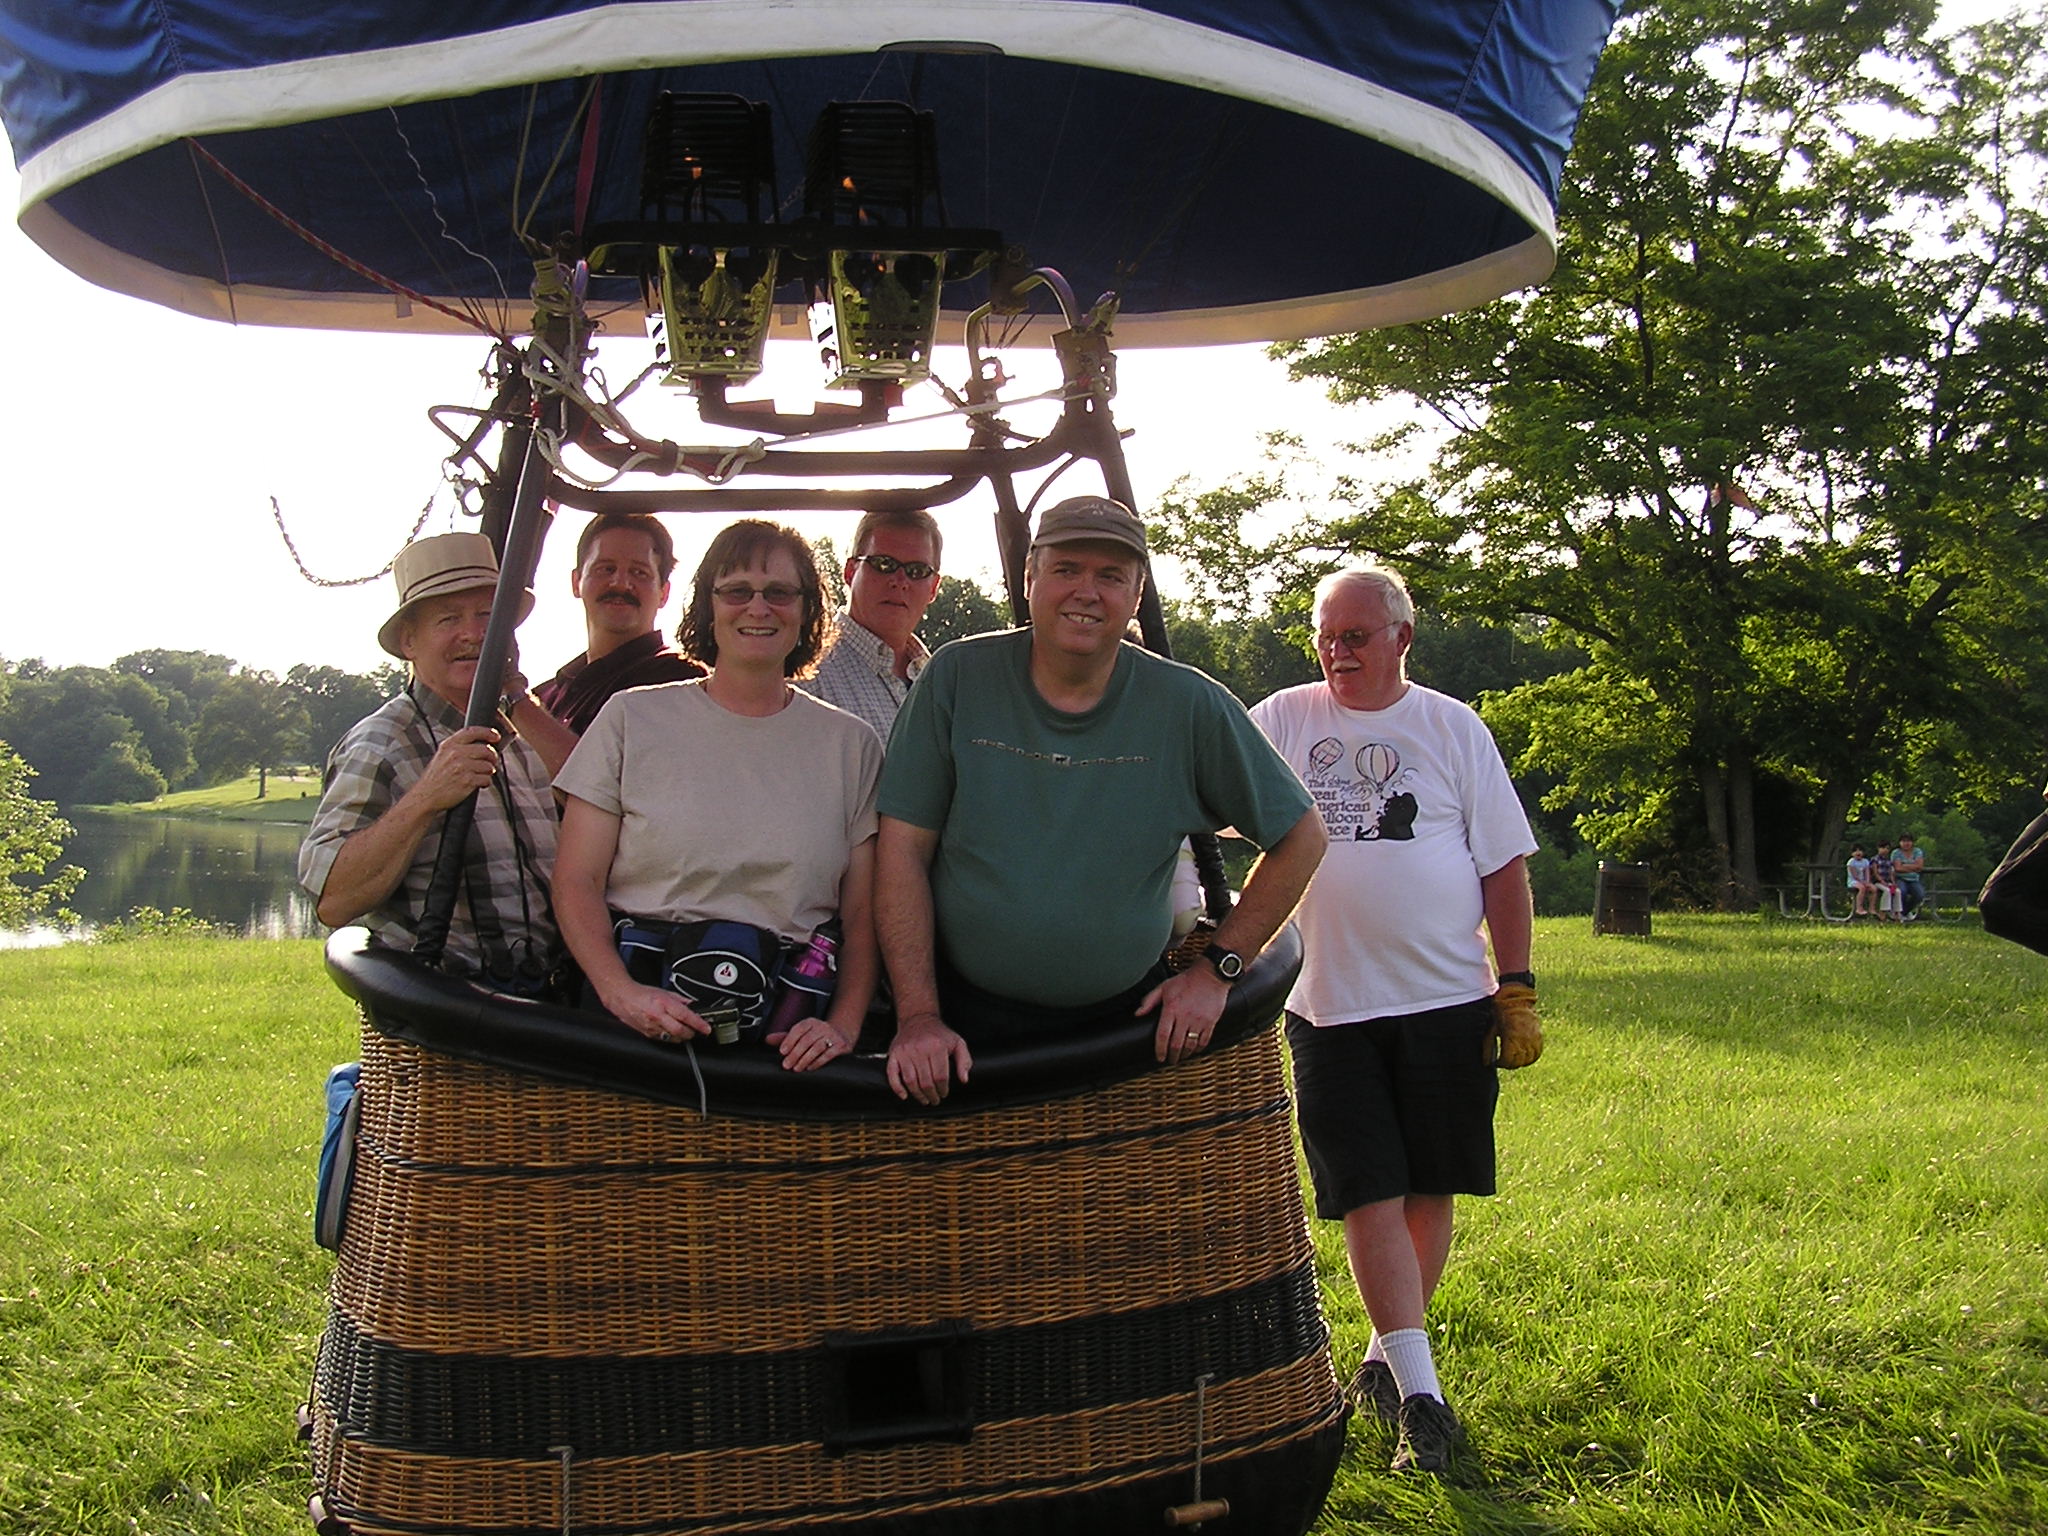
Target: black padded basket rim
{"points": [[406, 1000]]}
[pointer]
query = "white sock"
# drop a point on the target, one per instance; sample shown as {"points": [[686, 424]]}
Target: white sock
{"points": [[1407, 1352], [1376, 1348]]}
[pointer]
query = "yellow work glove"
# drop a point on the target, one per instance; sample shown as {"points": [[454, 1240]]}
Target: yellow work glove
{"points": [[1517, 1038]]}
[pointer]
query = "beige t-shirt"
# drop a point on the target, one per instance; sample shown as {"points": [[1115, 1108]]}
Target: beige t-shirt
{"points": [[724, 815]]}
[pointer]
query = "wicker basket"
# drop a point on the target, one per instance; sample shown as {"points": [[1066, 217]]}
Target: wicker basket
{"points": [[559, 1308]]}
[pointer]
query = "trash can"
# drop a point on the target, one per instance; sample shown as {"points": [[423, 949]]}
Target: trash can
{"points": [[1621, 899]]}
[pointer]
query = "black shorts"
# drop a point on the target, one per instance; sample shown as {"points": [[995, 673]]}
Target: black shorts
{"points": [[1396, 1106]]}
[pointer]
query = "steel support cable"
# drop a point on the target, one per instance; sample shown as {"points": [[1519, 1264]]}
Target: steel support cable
{"points": [[524, 222], [478, 310]]}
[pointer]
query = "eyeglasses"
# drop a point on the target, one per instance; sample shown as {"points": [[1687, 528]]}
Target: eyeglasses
{"points": [[738, 594], [1353, 640], [889, 565]]}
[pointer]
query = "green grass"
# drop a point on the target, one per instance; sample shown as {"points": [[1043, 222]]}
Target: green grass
{"points": [[160, 1294], [1771, 1253], [290, 797]]}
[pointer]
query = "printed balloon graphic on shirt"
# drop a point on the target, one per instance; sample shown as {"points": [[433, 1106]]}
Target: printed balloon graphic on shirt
{"points": [[1378, 763]]}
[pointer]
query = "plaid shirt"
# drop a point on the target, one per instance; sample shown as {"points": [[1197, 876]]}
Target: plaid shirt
{"points": [[859, 675], [503, 927]]}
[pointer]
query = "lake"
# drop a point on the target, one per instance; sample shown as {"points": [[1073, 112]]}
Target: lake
{"points": [[239, 873]]}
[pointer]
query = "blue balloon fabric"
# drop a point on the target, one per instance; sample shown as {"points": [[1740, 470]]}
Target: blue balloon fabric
{"points": [[1247, 171]]}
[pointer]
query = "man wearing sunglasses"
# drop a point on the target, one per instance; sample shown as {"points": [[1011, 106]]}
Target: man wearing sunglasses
{"points": [[1398, 1021], [891, 577]]}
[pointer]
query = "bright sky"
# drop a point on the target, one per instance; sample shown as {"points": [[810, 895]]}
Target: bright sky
{"points": [[145, 446]]}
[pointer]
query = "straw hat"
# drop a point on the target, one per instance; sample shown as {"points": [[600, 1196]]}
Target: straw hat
{"points": [[437, 566]]}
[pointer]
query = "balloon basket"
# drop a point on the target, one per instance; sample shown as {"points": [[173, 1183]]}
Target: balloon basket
{"points": [[560, 1307]]}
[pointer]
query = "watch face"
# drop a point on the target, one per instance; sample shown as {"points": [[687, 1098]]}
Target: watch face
{"points": [[1229, 965]]}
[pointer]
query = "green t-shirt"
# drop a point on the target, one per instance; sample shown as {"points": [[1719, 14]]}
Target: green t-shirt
{"points": [[1058, 833]]}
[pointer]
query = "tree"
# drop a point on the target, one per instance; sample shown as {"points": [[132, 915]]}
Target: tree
{"points": [[87, 732], [31, 839], [252, 721], [334, 700], [1251, 657], [960, 608], [186, 681], [1766, 446]]}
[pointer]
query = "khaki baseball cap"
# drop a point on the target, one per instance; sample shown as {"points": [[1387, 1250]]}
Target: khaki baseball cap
{"points": [[1091, 517]]}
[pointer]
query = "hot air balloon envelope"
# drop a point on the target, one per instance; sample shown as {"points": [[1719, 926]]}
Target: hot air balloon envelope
{"points": [[1265, 169]]}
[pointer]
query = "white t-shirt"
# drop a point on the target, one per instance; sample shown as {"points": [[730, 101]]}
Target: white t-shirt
{"points": [[724, 815], [1418, 806]]}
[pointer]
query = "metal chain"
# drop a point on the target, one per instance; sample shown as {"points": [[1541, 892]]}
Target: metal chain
{"points": [[277, 516]]}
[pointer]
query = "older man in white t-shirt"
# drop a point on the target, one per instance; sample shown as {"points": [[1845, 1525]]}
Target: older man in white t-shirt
{"points": [[1399, 1019]]}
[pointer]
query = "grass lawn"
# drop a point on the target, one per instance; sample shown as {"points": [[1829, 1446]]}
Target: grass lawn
{"points": [[288, 797], [1771, 1253]]}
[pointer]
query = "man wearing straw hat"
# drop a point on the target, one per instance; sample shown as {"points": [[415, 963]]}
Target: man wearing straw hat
{"points": [[1038, 787], [370, 851]]}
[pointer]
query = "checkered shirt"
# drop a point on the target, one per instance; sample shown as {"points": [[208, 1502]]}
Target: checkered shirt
{"points": [[503, 920], [859, 675]]}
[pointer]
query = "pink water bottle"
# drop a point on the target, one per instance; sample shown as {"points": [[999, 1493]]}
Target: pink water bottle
{"points": [[808, 982]]}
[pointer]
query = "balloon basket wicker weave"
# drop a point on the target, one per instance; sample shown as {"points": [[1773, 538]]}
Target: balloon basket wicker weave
{"points": [[564, 1308]]}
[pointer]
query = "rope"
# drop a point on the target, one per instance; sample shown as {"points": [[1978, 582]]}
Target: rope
{"points": [[336, 254]]}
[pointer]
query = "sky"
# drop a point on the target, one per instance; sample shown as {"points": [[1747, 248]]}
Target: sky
{"points": [[145, 448]]}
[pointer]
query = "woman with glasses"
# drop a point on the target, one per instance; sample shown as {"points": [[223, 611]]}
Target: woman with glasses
{"points": [[734, 797]]}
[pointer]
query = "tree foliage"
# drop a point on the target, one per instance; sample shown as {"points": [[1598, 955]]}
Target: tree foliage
{"points": [[31, 840], [252, 721], [1766, 445], [101, 736], [960, 608], [334, 700]]}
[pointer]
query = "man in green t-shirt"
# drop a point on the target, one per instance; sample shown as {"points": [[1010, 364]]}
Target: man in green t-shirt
{"points": [[1038, 786]]}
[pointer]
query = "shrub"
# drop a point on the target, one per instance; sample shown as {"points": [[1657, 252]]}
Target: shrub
{"points": [[150, 923]]}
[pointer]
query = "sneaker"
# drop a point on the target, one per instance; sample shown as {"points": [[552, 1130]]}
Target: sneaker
{"points": [[1429, 1432], [1374, 1391]]}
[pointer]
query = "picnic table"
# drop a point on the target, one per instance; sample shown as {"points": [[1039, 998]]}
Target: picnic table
{"points": [[1820, 878]]}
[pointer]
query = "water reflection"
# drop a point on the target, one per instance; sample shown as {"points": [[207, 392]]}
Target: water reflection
{"points": [[239, 873]]}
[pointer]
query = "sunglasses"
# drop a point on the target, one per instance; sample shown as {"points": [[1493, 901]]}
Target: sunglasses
{"points": [[737, 594], [889, 565]]}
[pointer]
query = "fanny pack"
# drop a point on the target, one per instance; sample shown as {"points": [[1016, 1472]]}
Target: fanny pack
{"points": [[725, 971]]}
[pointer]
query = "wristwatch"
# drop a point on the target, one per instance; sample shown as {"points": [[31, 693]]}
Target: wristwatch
{"points": [[1526, 978], [1228, 962]]}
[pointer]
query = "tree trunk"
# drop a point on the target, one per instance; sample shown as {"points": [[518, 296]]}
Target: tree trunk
{"points": [[1831, 822], [1714, 801], [1741, 894], [262, 781]]}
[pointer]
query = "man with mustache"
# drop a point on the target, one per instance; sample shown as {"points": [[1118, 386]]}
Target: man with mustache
{"points": [[369, 854], [623, 564]]}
